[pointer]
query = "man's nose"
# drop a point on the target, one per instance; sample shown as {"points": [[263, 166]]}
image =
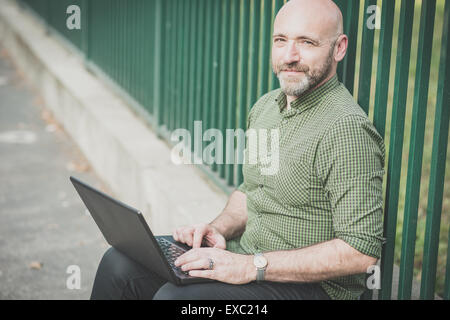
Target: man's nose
{"points": [[292, 53]]}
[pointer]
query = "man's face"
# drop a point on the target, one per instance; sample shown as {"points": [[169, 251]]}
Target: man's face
{"points": [[302, 52]]}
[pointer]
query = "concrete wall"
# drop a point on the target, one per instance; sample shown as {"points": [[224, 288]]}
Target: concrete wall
{"points": [[121, 148]]}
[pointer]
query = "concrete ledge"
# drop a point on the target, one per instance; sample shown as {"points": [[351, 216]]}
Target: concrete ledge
{"points": [[121, 148]]}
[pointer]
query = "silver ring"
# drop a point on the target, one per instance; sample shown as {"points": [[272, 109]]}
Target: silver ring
{"points": [[211, 264]]}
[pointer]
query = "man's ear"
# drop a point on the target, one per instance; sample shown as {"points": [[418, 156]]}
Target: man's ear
{"points": [[340, 48]]}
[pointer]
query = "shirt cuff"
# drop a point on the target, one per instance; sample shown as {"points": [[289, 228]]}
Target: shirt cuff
{"points": [[370, 248], [242, 188]]}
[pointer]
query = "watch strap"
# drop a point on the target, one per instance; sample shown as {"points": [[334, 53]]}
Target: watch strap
{"points": [[260, 272]]}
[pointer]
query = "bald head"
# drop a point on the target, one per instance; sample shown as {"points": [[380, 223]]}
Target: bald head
{"points": [[308, 43], [320, 17]]}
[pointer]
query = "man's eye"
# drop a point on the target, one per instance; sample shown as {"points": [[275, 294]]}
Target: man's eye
{"points": [[279, 40]]}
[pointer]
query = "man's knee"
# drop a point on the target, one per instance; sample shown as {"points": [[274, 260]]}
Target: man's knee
{"points": [[170, 291], [115, 268], [114, 262]]}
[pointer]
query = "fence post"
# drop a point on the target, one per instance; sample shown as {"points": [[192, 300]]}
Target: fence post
{"points": [[158, 77], [416, 148], [396, 145], [437, 174], [365, 70]]}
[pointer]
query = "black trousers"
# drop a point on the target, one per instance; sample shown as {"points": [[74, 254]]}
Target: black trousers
{"points": [[119, 277]]}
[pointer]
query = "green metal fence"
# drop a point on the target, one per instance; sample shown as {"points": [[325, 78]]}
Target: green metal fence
{"points": [[178, 61]]}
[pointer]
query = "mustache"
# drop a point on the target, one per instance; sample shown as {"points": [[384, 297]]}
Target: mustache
{"points": [[293, 67]]}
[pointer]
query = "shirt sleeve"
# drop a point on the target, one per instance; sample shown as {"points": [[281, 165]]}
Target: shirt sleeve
{"points": [[350, 164]]}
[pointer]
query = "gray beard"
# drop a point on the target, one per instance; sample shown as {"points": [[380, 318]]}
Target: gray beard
{"points": [[310, 80]]}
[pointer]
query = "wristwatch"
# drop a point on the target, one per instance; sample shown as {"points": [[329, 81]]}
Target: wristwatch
{"points": [[260, 263]]}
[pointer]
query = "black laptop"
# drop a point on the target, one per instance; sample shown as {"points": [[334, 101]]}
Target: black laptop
{"points": [[125, 229]]}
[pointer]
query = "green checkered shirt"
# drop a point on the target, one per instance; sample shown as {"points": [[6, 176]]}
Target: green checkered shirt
{"points": [[328, 184]]}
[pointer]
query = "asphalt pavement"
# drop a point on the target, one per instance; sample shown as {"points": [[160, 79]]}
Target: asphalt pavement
{"points": [[49, 245]]}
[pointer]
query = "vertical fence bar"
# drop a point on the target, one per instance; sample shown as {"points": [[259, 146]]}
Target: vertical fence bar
{"points": [[165, 97], [143, 37], [416, 148], [183, 57], [351, 29], [343, 6], [179, 65], [149, 62], [132, 48], [365, 70], [223, 79], [243, 81], [193, 36], [126, 47], [85, 28], [175, 68], [216, 75], [132, 44], [437, 173], [274, 83], [120, 45], [157, 63], [207, 76], [384, 66], [232, 92], [186, 58], [264, 61], [383, 72], [138, 53], [396, 145], [115, 44], [254, 53], [200, 74], [114, 38]]}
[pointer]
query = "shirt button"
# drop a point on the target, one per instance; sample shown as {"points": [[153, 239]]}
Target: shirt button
{"points": [[261, 186]]}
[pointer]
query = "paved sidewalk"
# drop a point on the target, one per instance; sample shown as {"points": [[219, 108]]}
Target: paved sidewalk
{"points": [[44, 227]]}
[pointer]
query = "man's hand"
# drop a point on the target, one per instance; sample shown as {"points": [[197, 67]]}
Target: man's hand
{"points": [[194, 236], [228, 267]]}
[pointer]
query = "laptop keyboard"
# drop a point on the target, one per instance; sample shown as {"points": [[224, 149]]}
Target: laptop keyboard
{"points": [[171, 252]]}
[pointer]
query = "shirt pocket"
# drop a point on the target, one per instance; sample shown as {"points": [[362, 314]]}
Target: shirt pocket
{"points": [[291, 185]]}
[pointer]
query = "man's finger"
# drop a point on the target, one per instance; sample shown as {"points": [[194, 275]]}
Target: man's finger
{"points": [[209, 274], [198, 237], [220, 245], [196, 265], [186, 236], [175, 235], [187, 257]]}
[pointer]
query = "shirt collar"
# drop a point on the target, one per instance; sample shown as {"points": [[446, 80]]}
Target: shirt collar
{"points": [[310, 98]]}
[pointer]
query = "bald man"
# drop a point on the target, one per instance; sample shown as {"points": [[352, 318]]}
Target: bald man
{"points": [[312, 229]]}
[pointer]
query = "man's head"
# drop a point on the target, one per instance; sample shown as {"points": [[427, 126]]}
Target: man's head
{"points": [[308, 43]]}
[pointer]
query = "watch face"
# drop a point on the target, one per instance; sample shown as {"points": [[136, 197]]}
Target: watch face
{"points": [[260, 261]]}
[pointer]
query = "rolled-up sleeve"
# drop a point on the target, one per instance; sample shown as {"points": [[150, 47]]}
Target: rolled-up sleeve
{"points": [[242, 188], [350, 164]]}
